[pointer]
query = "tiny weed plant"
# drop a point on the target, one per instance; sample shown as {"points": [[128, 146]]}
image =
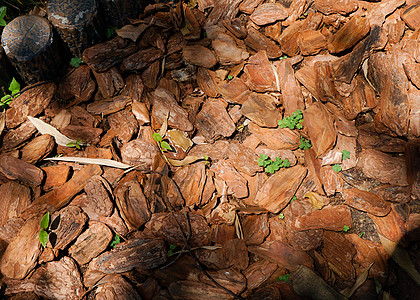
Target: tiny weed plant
{"points": [[304, 143], [164, 146], [171, 250], [294, 198], [361, 234], [3, 10], [272, 166], [283, 57], [110, 32], [76, 62], [337, 168], [206, 159], [346, 228], [14, 88], [78, 144], [346, 154], [43, 233], [230, 77], [115, 241], [284, 278], [281, 216], [293, 121]]}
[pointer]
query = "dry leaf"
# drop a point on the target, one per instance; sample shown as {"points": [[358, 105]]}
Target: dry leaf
{"points": [[92, 161], [348, 292], [131, 32], [238, 227], [186, 161], [180, 139], [2, 120], [317, 200], [45, 128], [400, 256]]}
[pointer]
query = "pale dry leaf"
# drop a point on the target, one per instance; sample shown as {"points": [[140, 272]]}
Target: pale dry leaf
{"points": [[348, 292], [317, 200], [2, 120], [131, 32], [92, 161], [186, 161], [400, 256], [45, 128]]}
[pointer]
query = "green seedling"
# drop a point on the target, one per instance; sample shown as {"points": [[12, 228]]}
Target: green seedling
{"points": [[272, 166], [361, 234], [78, 144], [230, 77], [294, 198], [346, 228], [337, 168], [346, 154], [14, 88], [164, 146], [76, 62], [281, 216], [293, 121], [283, 57], [3, 10], [115, 241], [171, 250], [110, 32], [206, 159], [304, 143], [43, 233], [284, 278]]}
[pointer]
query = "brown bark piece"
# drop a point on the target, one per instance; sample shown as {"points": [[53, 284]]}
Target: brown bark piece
{"points": [[349, 35], [235, 91], [410, 15], [191, 180], [223, 9], [199, 55], [383, 167], [248, 6], [282, 254], [320, 125], [141, 59], [289, 38], [339, 253], [78, 84], [329, 218], [259, 72], [38, 148], [269, 13], [22, 253], [276, 139], [13, 168], [392, 226], [213, 120], [124, 124], [279, 188], [98, 200], [255, 228], [66, 225], [366, 201], [55, 176], [15, 137], [163, 103], [15, 198], [216, 151], [258, 273], [243, 159], [261, 109], [368, 138], [207, 81], [132, 203], [109, 106], [137, 152], [109, 82], [259, 42], [30, 103], [328, 7], [116, 287], [331, 181], [10, 229], [237, 184], [103, 56], [91, 243]]}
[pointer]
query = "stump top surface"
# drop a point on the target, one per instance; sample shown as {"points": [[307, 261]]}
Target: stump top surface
{"points": [[26, 37], [71, 13]]}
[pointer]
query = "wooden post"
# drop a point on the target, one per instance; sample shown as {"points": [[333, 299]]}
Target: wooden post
{"points": [[118, 12], [29, 44], [78, 22]]}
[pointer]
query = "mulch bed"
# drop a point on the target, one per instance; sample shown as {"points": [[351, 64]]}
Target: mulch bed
{"points": [[251, 141]]}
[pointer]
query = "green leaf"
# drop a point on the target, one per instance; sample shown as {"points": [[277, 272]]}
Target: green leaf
{"points": [[71, 144], [165, 146], [281, 216], [157, 137], [284, 278], [3, 99], [43, 237], [14, 86], [304, 143], [45, 221], [337, 168], [76, 62], [264, 156], [346, 228], [230, 77], [3, 10], [361, 234], [286, 163], [110, 32], [3, 22], [294, 198], [115, 241], [270, 169], [206, 158], [346, 154], [172, 247]]}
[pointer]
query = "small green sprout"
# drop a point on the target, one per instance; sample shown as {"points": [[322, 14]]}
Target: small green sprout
{"points": [[43, 234], [337, 168], [206, 159], [110, 32], [76, 62], [361, 234], [3, 10], [272, 166], [78, 144], [115, 241], [164, 146], [14, 88], [294, 198], [346, 154], [171, 250], [281, 216], [293, 121], [283, 57], [346, 228], [304, 143], [230, 77], [284, 278]]}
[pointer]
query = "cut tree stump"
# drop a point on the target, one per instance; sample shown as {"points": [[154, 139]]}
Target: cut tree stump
{"points": [[78, 22], [29, 43]]}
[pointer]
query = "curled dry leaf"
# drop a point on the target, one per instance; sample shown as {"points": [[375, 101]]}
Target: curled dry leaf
{"points": [[45, 128]]}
